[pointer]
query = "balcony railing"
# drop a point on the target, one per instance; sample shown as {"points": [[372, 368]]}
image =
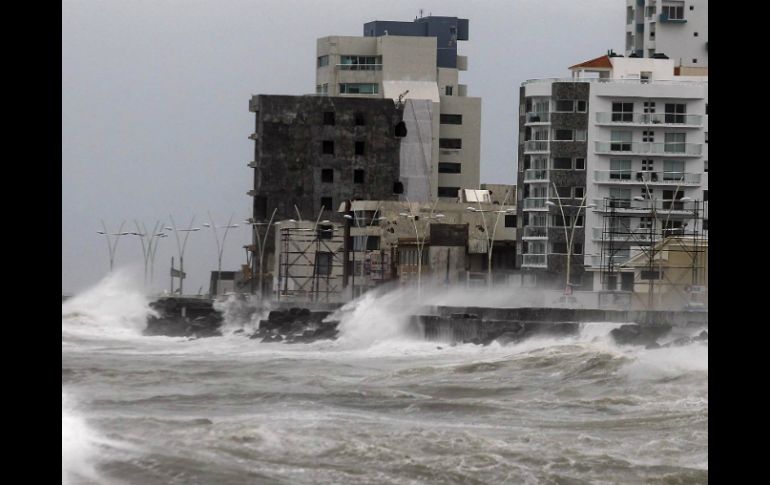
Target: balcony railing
{"points": [[543, 117], [535, 203], [597, 261], [534, 260], [637, 235], [535, 232], [631, 148], [648, 206], [536, 175], [535, 146], [359, 67], [649, 119], [646, 177]]}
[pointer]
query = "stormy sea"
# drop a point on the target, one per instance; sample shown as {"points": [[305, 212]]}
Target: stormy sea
{"points": [[375, 406]]}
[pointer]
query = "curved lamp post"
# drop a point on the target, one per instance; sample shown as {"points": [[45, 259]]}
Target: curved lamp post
{"points": [[491, 237], [261, 243], [220, 246], [569, 236], [420, 242], [110, 246], [181, 246], [366, 239]]}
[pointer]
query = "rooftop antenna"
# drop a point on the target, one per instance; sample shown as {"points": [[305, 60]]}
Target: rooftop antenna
{"points": [[420, 13]]}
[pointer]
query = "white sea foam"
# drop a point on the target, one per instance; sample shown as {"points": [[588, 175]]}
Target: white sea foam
{"points": [[116, 306], [78, 445]]}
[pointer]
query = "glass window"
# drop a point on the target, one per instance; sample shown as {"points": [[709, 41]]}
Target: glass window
{"points": [[323, 61], [510, 220], [452, 143], [675, 112], [562, 163], [620, 169], [358, 176], [582, 106], [563, 135], [360, 63], [448, 191], [623, 112], [327, 175], [447, 119], [327, 147], [448, 90], [621, 197], [449, 167], [328, 117], [580, 164], [360, 147], [675, 142], [359, 88], [580, 135], [620, 141], [648, 136], [673, 170], [565, 105], [580, 192]]}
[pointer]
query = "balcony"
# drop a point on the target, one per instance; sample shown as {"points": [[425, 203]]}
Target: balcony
{"points": [[536, 175], [665, 18], [625, 235], [252, 164], [534, 261], [535, 203], [645, 208], [537, 118], [628, 177], [536, 146], [646, 119], [359, 67], [642, 148], [253, 136], [535, 232]]}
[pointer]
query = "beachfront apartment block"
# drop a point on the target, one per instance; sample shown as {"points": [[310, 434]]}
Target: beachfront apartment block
{"points": [[415, 64], [618, 155]]}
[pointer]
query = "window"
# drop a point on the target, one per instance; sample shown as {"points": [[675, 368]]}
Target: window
{"points": [[448, 90], [359, 119], [360, 63], [327, 147], [580, 164], [452, 143], [325, 232], [580, 135], [323, 263], [705, 196], [448, 191], [647, 165], [695, 61], [561, 163], [620, 141], [579, 192], [645, 223], [370, 243], [675, 112], [649, 106], [577, 248], [706, 135], [674, 142], [705, 224], [620, 169], [623, 112], [358, 176], [326, 202], [449, 167], [673, 170], [582, 106], [579, 221], [705, 166], [564, 191], [327, 175], [621, 197], [563, 135], [559, 248], [673, 12], [510, 220], [647, 193], [328, 117], [323, 61], [360, 147], [565, 105], [648, 136], [695, 34], [707, 108], [451, 119], [359, 88]]}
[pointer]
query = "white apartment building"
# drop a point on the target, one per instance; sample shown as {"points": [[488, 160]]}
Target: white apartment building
{"points": [[622, 142], [677, 29], [410, 62]]}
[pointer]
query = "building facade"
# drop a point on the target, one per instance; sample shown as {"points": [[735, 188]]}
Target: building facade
{"points": [[611, 160], [677, 29], [415, 61]]}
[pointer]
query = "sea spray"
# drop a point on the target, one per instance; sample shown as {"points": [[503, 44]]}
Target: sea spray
{"points": [[78, 445], [241, 313], [116, 306]]}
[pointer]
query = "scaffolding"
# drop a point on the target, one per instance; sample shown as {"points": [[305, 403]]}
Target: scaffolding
{"points": [[310, 266], [663, 231]]}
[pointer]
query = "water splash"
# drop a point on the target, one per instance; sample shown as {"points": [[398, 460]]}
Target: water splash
{"points": [[242, 314], [78, 445], [116, 306]]}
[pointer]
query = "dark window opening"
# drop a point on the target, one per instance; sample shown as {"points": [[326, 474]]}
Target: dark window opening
{"points": [[326, 202], [400, 130], [580, 164], [260, 207], [510, 220], [327, 147], [327, 175], [360, 120], [398, 188], [561, 163], [449, 167], [453, 143], [323, 263], [448, 191], [325, 232], [328, 117], [358, 176], [451, 119], [565, 105], [360, 148], [563, 135]]}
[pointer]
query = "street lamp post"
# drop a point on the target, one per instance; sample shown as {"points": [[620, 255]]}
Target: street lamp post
{"points": [[181, 246], [220, 246], [261, 242], [571, 235], [366, 239], [110, 246], [420, 242], [491, 237], [149, 242]]}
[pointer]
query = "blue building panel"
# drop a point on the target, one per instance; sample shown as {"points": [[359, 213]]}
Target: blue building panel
{"points": [[446, 30]]}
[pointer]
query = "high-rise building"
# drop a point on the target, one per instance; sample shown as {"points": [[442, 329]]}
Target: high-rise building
{"points": [[676, 29], [417, 63], [611, 159]]}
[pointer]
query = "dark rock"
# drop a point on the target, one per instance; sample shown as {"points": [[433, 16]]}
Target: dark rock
{"points": [[651, 346], [639, 335], [680, 342], [703, 336], [239, 331]]}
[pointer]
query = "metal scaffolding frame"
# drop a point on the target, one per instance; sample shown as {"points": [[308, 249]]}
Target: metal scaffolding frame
{"points": [[299, 262]]}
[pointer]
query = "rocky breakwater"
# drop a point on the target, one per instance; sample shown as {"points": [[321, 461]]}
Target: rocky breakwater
{"points": [[296, 325], [184, 317]]}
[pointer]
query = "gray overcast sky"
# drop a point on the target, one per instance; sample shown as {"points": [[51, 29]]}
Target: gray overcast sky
{"points": [[155, 98]]}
